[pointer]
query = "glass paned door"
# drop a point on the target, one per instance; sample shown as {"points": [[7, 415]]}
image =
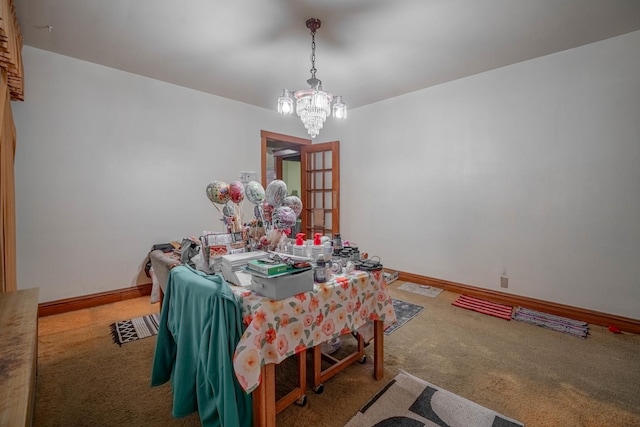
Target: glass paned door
{"points": [[320, 182]]}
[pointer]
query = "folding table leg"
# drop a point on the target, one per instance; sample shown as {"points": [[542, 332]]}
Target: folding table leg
{"points": [[297, 395], [264, 398], [265, 406], [378, 350], [337, 365]]}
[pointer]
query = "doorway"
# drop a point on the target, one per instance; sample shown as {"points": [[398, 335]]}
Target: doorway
{"points": [[313, 170]]}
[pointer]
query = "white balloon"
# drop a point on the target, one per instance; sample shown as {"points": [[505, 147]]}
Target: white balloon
{"points": [[294, 203], [276, 192]]}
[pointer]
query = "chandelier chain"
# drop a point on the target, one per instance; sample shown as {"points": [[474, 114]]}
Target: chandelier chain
{"points": [[313, 55]]}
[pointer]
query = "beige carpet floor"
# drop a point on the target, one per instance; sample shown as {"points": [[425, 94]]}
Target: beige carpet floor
{"points": [[537, 376]]}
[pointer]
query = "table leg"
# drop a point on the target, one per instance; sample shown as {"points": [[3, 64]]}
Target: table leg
{"points": [[298, 394], [336, 365], [378, 350], [265, 406], [264, 398]]}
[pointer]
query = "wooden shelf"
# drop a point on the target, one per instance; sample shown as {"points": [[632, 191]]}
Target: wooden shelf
{"points": [[18, 356]]}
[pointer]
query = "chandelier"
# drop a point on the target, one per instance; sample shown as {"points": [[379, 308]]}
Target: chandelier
{"points": [[313, 105]]}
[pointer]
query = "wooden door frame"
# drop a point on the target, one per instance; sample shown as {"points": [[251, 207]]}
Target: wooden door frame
{"points": [[265, 137], [304, 145]]}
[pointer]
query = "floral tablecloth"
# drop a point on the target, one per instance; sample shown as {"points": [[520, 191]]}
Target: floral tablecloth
{"points": [[279, 329]]}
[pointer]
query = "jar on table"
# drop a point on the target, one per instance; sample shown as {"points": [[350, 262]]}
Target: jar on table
{"points": [[320, 271], [345, 257], [337, 243], [355, 253]]}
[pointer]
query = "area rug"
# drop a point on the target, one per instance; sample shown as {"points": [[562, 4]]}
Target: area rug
{"points": [[426, 290], [550, 321], [135, 329], [405, 311], [485, 307], [408, 401]]}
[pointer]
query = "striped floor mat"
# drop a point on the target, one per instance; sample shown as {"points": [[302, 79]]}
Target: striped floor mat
{"points": [[485, 307], [135, 329], [549, 321]]}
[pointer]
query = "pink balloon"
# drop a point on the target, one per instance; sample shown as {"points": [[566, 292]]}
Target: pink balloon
{"points": [[236, 192], [267, 211]]}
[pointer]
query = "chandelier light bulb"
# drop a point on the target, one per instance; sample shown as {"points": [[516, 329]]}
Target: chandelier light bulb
{"points": [[285, 103], [339, 109]]}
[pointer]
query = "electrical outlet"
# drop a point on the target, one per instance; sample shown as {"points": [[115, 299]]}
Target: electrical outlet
{"points": [[504, 282], [245, 177]]}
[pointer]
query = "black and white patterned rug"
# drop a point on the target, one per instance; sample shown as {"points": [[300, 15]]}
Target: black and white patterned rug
{"points": [[408, 401], [134, 329]]}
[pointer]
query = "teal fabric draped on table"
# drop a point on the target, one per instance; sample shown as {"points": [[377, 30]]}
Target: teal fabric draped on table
{"points": [[200, 326]]}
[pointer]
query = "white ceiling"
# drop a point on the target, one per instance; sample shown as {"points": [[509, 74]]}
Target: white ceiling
{"points": [[366, 50]]}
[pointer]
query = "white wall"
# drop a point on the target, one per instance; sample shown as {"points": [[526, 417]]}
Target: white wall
{"points": [[109, 163], [532, 170]]}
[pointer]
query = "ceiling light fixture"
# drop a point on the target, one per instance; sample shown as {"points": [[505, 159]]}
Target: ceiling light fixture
{"points": [[313, 105]]}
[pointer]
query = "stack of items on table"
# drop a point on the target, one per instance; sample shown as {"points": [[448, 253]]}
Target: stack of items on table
{"points": [[331, 257], [275, 278], [216, 245], [278, 275], [233, 266], [349, 257]]}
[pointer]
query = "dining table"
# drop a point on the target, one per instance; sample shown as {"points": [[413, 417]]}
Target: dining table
{"points": [[274, 330], [278, 329]]}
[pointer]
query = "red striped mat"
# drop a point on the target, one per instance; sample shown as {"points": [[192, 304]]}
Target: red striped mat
{"points": [[485, 307]]}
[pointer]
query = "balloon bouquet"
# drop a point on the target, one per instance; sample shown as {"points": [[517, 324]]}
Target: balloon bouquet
{"points": [[278, 213], [229, 196]]}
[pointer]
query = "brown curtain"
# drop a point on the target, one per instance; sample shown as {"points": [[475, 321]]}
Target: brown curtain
{"points": [[7, 191]]}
